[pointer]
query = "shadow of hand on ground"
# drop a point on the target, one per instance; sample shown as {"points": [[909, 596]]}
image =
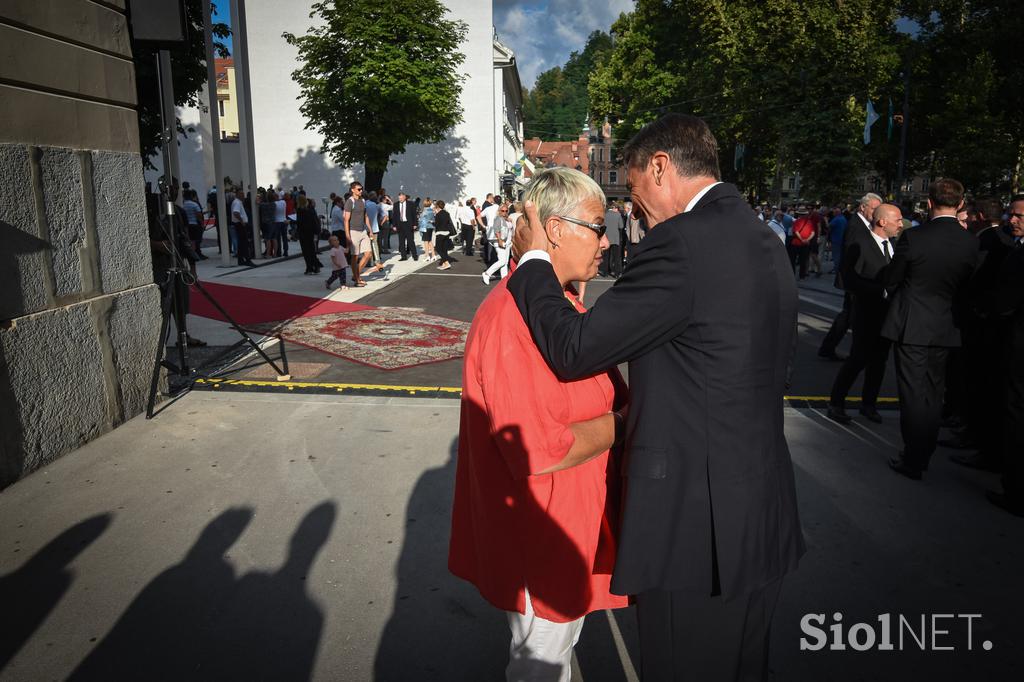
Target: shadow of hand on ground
{"points": [[30, 593]]}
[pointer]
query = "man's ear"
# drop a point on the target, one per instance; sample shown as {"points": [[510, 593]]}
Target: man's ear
{"points": [[659, 165]]}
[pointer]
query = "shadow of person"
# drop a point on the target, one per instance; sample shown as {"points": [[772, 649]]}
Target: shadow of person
{"points": [[440, 627], [271, 627], [29, 593], [159, 635]]}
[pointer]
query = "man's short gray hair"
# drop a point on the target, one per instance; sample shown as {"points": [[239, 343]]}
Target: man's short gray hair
{"points": [[868, 198], [558, 191], [687, 140]]}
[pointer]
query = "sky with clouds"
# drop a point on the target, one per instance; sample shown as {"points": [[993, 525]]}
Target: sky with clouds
{"points": [[543, 32]]}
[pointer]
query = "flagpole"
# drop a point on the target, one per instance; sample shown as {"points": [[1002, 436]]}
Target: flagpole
{"points": [[903, 132]]}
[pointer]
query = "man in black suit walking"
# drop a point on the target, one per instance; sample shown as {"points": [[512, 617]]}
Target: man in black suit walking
{"points": [[928, 276], [403, 215], [864, 258], [859, 224], [710, 523]]}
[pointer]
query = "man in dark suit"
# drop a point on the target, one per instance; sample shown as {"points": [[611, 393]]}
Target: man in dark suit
{"points": [[1008, 303], [710, 523], [983, 336], [403, 215], [866, 256], [928, 276]]}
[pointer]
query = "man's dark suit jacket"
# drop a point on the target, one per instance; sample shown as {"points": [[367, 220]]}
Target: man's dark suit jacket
{"points": [[854, 226], [710, 492], [862, 266], [410, 214], [929, 270]]}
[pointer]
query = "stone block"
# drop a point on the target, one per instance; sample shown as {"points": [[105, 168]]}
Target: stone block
{"points": [[134, 325], [23, 277], [121, 225], [54, 367], [61, 172]]}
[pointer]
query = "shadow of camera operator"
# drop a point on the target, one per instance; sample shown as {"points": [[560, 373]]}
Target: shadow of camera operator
{"points": [[440, 627], [160, 634], [30, 593]]}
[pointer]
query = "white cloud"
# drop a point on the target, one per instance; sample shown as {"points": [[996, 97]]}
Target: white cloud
{"points": [[544, 32]]}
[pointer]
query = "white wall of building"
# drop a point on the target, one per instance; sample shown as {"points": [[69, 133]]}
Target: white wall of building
{"points": [[287, 154]]}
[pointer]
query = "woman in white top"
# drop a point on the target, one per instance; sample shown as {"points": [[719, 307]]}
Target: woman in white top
{"points": [[504, 226]]}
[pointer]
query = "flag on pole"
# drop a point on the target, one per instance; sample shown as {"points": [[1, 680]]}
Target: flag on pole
{"points": [[737, 159], [888, 132], [872, 116]]}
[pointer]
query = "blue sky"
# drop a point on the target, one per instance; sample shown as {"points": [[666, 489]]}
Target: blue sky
{"points": [[543, 32]]}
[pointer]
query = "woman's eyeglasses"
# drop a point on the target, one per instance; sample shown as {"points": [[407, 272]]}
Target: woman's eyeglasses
{"points": [[599, 228]]}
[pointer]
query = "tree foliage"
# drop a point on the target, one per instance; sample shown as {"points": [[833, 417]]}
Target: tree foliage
{"points": [[378, 75], [788, 79], [557, 106], [188, 75]]}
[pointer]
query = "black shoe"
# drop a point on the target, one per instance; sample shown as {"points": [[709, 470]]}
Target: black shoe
{"points": [[898, 465], [871, 414], [975, 460], [404, 258], [961, 442], [830, 356], [416, 258], [1005, 503], [837, 413]]}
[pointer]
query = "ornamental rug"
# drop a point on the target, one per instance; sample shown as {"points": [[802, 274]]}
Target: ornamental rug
{"points": [[385, 338]]}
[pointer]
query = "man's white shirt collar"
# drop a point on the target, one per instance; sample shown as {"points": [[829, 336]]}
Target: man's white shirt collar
{"points": [[699, 196]]}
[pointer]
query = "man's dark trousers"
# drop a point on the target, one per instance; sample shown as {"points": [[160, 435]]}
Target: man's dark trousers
{"points": [[838, 329], [384, 239], [406, 243], [689, 636], [921, 381], [467, 239], [613, 260], [869, 354]]}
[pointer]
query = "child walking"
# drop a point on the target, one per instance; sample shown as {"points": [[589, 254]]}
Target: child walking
{"points": [[339, 262]]}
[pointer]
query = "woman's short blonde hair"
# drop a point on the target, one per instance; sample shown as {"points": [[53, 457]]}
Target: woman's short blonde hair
{"points": [[558, 191]]}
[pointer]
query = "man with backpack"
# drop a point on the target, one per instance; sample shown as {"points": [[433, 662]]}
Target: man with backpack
{"points": [[805, 228]]}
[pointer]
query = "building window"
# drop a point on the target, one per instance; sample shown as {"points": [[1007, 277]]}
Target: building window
{"points": [[613, 177], [600, 153], [220, 107], [791, 183], [876, 184], [600, 177], [924, 184]]}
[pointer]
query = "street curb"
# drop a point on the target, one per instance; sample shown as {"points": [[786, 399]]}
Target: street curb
{"points": [[451, 392]]}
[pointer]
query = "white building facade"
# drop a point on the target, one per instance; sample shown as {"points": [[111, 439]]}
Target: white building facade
{"points": [[469, 162]]}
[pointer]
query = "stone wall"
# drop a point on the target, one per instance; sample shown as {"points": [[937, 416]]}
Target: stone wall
{"points": [[79, 315]]}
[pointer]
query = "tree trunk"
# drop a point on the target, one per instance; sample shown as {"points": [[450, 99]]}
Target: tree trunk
{"points": [[374, 179]]}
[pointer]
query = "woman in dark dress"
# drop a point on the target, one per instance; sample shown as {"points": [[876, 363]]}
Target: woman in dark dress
{"points": [[308, 229], [444, 229]]}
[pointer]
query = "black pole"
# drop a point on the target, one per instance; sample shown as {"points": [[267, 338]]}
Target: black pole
{"points": [[900, 169]]}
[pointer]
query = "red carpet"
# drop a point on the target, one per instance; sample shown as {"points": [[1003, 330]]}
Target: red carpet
{"points": [[253, 306]]}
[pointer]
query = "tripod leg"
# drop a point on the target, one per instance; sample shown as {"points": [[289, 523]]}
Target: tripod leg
{"points": [[161, 349], [238, 329]]}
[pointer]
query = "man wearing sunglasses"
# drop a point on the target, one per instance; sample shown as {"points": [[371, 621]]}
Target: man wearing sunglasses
{"points": [[710, 523]]}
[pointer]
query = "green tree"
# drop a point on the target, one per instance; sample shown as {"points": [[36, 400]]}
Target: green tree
{"points": [[557, 106], [785, 78], [188, 75], [967, 104], [378, 75]]}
